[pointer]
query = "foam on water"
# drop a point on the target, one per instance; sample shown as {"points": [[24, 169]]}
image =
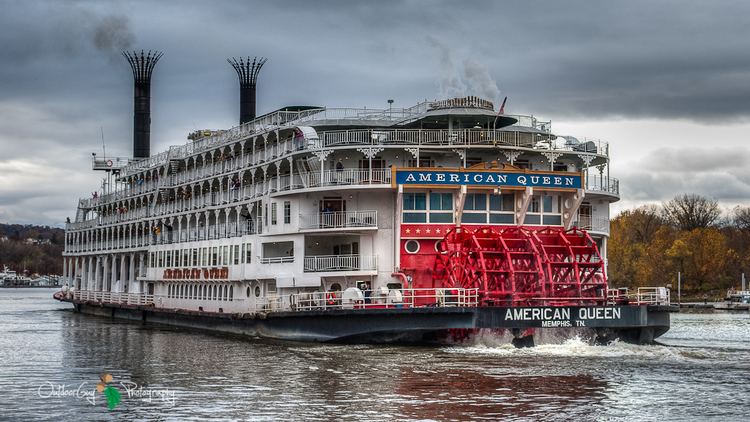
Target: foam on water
{"points": [[577, 347]]}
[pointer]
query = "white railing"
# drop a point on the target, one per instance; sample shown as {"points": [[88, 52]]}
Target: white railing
{"points": [[428, 137], [603, 184], [114, 297], [507, 136], [642, 296], [377, 299], [324, 263], [277, 260], [597, 223], [339, 219]]}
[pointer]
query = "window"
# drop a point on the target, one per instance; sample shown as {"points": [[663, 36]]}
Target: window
{"points": [[225, 261], [560, 167], [273, 213], [551, 206], [195, 257], [248, 254], [532, 213], [287, 212], [265, 214], [475, 202], [502, 202], [501, 209], [236, 254], [441, 202], [415, 202], [522, 164], [215, 256], [221, 256], [423, 162], [411, 246]]}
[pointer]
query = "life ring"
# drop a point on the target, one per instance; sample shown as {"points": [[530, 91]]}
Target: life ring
{"points": [[331, 298], [109, 163]]}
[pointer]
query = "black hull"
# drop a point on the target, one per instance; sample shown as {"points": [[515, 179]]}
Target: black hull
{"points": [[429, 325]]}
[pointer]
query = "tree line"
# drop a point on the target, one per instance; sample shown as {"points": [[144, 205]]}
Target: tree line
{"points": [[42, 254], [689, 234]]}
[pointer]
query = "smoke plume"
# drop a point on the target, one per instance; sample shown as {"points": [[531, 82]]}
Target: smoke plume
{"points": [[112, 34], [471, 78]]}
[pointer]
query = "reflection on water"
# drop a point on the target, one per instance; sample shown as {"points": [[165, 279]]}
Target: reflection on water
{"points": [[705, 363]]}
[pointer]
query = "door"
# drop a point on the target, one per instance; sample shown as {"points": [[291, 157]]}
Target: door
{"points": [[584, 216], [332, 211]]}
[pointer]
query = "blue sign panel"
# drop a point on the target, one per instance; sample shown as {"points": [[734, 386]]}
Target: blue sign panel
{"points": [[489, 178]]}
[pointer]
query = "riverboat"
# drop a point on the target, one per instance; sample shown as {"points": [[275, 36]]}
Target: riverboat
{"points": [[423, 224]]}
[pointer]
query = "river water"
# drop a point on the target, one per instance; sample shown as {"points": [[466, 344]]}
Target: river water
{"points": [[51, 360]]}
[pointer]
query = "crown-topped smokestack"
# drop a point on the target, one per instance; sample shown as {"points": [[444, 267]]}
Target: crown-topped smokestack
{"points": [[247, 71], [142, 65]]}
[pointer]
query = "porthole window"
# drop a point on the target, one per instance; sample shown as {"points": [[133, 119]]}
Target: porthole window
{"points": [[438, 245], [412, 246], [257, 291]]}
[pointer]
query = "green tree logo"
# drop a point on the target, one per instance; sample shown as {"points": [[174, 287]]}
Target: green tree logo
{"points": [[112, 394]]}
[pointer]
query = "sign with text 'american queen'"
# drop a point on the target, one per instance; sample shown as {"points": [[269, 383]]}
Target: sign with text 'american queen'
{"points": [[488, 178]]}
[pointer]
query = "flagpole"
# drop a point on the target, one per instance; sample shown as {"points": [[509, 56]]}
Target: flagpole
{"points": [[499, 112]]}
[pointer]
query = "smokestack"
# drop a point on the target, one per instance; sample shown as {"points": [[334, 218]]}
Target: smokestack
{"points": [[247, 72], [142, 65]]}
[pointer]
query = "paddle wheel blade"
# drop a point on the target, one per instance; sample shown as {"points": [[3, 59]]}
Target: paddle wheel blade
{"points": [[520, 266]]}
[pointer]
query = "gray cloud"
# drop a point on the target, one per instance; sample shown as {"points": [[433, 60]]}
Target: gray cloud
{"points": [[719, 173], [576, 60]]}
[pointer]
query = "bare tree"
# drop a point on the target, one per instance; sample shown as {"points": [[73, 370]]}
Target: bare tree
{"points": [[741, 218], [647, 221], [690, 211]]}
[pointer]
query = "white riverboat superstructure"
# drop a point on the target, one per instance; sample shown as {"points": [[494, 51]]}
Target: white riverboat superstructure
{"points": [[446, 213], [302, 201]]}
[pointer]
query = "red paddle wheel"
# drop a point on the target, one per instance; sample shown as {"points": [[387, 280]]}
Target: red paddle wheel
{"points": [[519, 266], [574, 268]]}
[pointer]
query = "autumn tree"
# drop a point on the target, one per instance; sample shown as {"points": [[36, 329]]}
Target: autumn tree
{"points": [[690, 211], [702, 255]]}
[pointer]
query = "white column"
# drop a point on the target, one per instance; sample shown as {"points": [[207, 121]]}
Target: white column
{"points": [[131, 272], [97, 275], [123, 274]]}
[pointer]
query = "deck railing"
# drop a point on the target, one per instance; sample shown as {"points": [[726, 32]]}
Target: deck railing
{"points": [[114, 297], [325, 263], [381, 299], [603, 184], [339, 220], [277, 260], [426, 137], [592, 223], [642, 296]]}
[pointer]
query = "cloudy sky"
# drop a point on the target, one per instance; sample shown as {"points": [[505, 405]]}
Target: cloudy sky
{"points": [[667, 83]]}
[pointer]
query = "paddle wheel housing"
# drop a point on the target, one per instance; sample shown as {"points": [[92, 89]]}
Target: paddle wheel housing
{"points": [[522, 266]]}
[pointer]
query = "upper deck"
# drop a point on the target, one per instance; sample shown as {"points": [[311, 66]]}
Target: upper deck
{"points": [[427, 126]]}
